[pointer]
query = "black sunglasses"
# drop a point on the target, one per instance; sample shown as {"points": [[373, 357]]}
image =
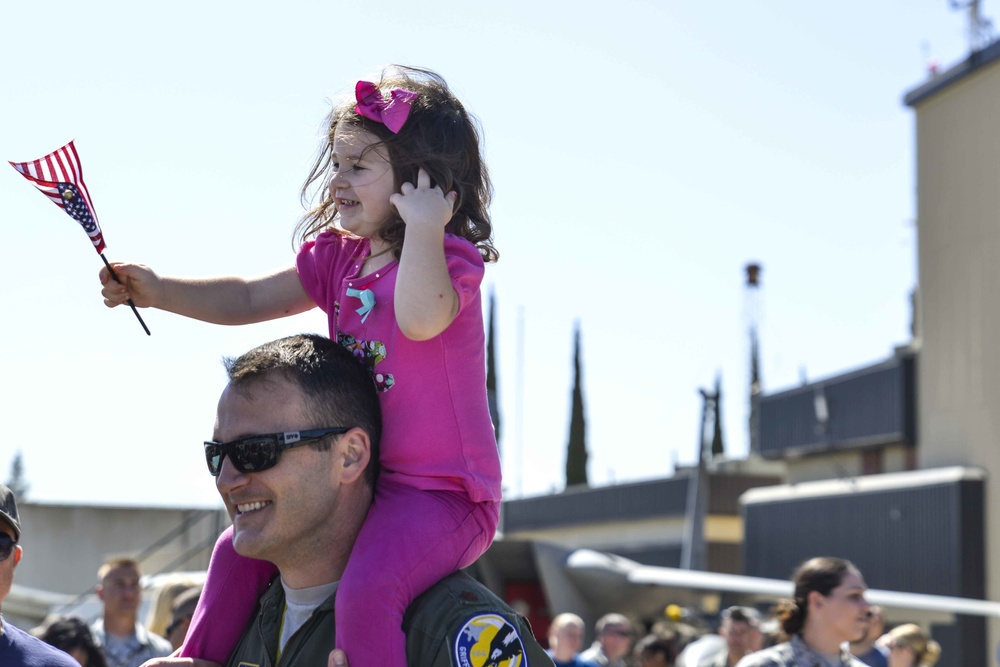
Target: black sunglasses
{"points": [[7, 544], [176, 624], [260, 452]]}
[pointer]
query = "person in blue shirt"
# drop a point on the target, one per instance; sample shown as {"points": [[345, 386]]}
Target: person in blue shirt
{"points": [[566, 640], [17, 647], [866, 649]]}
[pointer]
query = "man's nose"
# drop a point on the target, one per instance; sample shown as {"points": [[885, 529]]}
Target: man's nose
{"points": [[229, 477]]}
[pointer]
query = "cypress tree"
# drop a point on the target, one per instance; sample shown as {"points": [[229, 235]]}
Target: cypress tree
{"points": [[576, 452], [718, 448], [17, 483]]}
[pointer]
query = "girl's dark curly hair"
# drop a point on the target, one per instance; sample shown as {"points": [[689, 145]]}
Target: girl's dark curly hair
{"points": [[69, 633], [439, 136]]}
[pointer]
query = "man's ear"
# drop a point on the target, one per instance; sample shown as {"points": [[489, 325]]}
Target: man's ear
{"points": [[354, 450], [17, 555]]}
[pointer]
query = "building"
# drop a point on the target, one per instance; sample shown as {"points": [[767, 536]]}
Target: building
{"points": [[889, 465]]}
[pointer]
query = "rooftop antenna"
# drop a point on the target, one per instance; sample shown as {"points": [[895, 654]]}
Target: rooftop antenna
{"points": [[978, 28], [752, 305]]}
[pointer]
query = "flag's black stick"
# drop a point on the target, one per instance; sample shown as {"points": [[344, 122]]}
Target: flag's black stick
{"points": [[131, 305]]}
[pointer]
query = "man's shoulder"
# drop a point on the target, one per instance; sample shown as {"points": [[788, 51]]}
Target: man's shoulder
{"points": [[456, 586], [458, 621], [456, 596], [874, 658], [774, 656], [718, 660], [152, 640], [20, 649]]}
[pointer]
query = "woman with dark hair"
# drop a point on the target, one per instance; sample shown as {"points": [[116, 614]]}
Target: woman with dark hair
{"points": [[655, 651], [72, 635], [827, 610]]}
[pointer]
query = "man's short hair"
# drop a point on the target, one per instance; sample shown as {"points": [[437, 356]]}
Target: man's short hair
{"points": [[747, 615], [338, 389], [564, 620], [116, 563], [612, 619]]}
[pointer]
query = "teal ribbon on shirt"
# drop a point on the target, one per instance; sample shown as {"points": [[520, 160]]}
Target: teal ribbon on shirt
{"points": [[367, 301]]}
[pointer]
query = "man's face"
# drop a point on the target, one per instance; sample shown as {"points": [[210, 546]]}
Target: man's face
{"points": [[283, 512], [616, 641], [120, 591], [740, 636], [7, 565], [569, 638]]}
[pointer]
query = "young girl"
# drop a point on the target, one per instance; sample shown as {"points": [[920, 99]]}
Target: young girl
{"points": [[401, 236]]}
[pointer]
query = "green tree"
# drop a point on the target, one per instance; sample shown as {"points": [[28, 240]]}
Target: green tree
{"points": [[718, 448], [16, 482], [576, 452]]}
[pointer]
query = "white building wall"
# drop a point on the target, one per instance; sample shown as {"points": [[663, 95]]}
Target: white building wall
{"points": [[64, 545], [958, 202]]}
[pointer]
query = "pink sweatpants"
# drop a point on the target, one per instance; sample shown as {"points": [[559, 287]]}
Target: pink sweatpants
{"points": [[411, 539]]}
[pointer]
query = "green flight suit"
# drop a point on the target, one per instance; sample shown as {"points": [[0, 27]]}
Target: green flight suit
{"points": [[457, 623]]}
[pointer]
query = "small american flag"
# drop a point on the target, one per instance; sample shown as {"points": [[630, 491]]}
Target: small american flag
{"points": [[59, 177]]}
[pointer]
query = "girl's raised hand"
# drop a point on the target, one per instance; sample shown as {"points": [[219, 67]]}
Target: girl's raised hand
{"points": [[138, 282], [423, 205]]}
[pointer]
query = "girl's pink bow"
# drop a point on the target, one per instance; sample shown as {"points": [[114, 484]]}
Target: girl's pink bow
{"points": [[392, 113]]}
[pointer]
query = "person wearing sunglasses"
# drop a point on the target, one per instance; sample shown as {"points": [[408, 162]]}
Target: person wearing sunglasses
{"points": [[867, 649], [613, 643], [17, 647], [295, 458], [910, 646], [181, 615]]}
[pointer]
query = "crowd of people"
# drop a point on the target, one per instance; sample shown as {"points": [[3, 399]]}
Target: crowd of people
{"points": [[826, 623], [301, 508], [117, 638], [318, 499]]}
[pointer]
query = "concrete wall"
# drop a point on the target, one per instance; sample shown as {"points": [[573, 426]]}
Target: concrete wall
{"points": [[64, 545], [958, 201], [840, 464]]}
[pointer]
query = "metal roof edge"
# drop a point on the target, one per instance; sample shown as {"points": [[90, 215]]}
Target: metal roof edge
{"points": [[976, 60], [863, 484]]}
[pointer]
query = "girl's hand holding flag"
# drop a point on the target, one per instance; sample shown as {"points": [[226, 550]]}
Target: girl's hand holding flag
{"points": [[59, 176]]}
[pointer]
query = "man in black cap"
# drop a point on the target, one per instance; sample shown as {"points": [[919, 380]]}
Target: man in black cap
{"points": [[17, 647]]}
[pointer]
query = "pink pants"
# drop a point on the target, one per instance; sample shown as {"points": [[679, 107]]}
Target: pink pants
{"points": [[411, 539]]}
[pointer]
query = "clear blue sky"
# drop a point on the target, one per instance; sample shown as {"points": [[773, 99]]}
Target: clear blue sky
{"points": [[642, 153]]}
